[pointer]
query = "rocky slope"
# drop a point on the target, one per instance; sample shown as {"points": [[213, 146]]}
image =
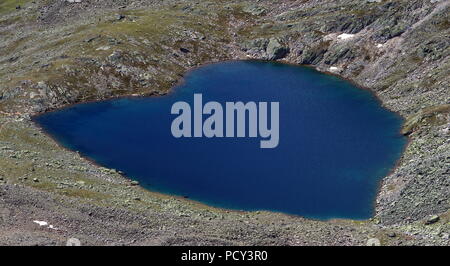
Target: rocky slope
{"points": [[54, 53]]}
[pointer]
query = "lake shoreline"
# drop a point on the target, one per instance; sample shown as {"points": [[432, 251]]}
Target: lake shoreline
{"points": [[180, 83]]}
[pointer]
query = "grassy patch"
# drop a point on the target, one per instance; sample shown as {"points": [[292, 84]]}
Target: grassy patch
{"points": [[10, 5], [84, 194], [428, 115]]}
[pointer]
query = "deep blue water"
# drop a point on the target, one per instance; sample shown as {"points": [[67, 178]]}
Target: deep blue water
{"points": [[336, 142]]}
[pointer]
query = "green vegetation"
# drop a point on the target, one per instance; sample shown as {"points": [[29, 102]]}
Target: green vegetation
{"points": [[430, 115], [9, 5]]}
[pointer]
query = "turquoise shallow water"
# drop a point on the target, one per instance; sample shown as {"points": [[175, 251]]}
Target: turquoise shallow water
{"points": [[336, 142]]}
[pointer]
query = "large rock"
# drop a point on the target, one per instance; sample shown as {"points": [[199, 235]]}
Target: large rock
{"points": [[256, 45], [432, 219], [338, 53], [275, 50], [313, 55]]}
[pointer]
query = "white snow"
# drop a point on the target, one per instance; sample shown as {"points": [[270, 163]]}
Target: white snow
{"points": [[44, 223], [41, 223], [334, 69], [345, 36]]}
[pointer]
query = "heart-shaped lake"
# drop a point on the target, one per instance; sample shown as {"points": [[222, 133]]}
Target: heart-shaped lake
{"points": [[336, 142]]}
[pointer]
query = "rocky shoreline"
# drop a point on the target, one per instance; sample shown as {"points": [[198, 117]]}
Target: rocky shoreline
{"points": [[73, 52]]}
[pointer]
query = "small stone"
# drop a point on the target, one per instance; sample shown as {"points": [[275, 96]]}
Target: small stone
{"points": [[119, 17], [255, 10], [134, 183], [391, 234], [275, 50], [90, 39], [35, 180], [373, 242], [432, 219], [184, 50], [115, 56], [103, 48], [73, 242]]}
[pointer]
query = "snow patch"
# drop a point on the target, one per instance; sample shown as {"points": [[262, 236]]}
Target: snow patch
{"points": [[334, 69], [41, 223], [52, 227], [345, 36], [44, 223]]}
